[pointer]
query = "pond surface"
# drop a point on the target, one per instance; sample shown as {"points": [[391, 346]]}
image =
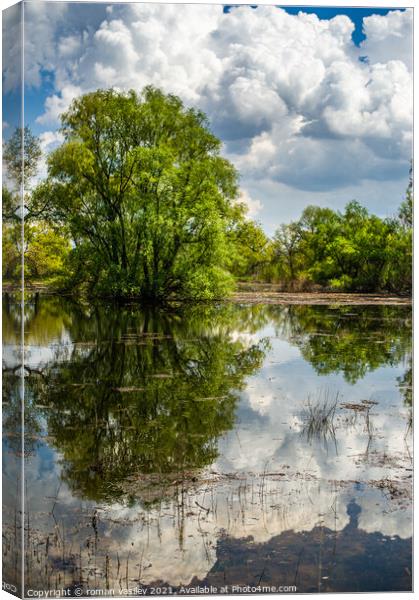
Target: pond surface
{"points": [[218, 447]]}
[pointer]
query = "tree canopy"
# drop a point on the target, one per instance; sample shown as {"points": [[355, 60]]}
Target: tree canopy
{"points": [[21, 155], [351, 250], [146, 195]]}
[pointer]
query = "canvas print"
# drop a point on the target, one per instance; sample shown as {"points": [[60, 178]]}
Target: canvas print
{"points": [[207, 275]]}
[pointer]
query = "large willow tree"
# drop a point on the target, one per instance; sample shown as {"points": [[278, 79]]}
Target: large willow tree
{"points": [[146, 196]]}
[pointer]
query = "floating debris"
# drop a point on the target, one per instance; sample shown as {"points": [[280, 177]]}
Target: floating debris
{"points": [[126, 390]]}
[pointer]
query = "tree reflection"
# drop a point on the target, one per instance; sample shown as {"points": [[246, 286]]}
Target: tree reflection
{"points": [[352, 340], [406, 382], [143, 394]]}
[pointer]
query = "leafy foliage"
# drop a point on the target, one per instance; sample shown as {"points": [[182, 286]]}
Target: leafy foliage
{"points": [[252, 251], [350, 251], [147, 198], [21, 155], [44, 248], [45, 251]]}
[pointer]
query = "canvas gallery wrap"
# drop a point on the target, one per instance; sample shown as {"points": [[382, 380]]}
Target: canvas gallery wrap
{"points": [[207, 339]]}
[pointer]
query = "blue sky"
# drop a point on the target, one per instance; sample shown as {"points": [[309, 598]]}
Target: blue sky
{"points": [[328, 12], [356, 15], [313, 104]]}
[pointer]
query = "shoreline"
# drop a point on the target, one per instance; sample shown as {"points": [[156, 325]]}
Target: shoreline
{"points": [[266, 295]]}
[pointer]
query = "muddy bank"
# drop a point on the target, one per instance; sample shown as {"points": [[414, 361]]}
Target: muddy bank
{"points": [[273, 297]]}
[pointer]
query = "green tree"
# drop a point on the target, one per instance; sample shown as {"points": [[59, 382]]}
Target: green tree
{"points": [[287, 252], [406, 208], [44, 247], [45, 251], [318, 228], [11, 251], [351, 250], [21, 154], [10, 206], [253, 251], [147, 197], [359, 250]]}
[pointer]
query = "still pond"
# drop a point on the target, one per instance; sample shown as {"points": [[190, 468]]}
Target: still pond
{"points": [[224, 445]]}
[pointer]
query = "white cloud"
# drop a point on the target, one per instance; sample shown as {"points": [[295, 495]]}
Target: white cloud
{"points": [[373, 103], [254, 206], [69, 46], [288, 94], [55, 105], [49, 140], [11, 48], [40, 44], [389, 37]]}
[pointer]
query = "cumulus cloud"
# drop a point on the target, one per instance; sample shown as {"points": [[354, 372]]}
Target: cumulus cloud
{"points": [[253, 206], [49, 140], [11, 48], [389, 37], [291, 96], [69, 46], [40, 39], [55, 105]]}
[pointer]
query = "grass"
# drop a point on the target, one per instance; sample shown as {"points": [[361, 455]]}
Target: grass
{"points": [[318, 416]]}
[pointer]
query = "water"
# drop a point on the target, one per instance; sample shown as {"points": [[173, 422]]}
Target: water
{"points": [[224, 446]]}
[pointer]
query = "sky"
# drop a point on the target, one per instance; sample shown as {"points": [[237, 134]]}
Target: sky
{"points": [[313, 105]]}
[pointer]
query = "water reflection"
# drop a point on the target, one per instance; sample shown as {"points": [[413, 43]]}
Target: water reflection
{"points": [[135, 393], [159, 443], [138, 398], [351, 340], [319, 560]]}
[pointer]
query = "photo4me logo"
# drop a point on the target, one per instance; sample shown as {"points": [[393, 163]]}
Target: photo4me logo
{"points": [[236, 589]]}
